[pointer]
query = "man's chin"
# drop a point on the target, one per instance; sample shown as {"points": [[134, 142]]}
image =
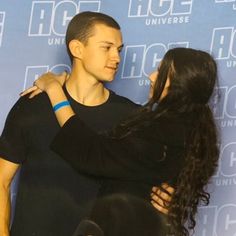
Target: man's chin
{"points": [[109, 79]]}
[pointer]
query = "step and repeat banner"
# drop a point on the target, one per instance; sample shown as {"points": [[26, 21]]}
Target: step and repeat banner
{"points": [[32, 42]]}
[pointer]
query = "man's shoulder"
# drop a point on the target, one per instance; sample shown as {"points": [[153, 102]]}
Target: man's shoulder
{"points": [[26, 108], [24, 104]]}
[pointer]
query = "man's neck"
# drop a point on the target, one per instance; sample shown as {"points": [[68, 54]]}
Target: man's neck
{"points": [[85, 91]]}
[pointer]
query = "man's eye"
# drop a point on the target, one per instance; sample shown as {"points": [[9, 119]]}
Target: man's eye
{"points": [[107, 48]]}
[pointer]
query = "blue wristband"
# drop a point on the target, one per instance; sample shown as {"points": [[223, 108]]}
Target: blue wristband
{"points": [[60, 105]]}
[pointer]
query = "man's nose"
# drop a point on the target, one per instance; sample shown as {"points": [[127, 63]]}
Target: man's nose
{"points": [[116, 56]]}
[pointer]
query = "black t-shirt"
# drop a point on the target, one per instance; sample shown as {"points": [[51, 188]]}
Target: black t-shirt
{"points": [[52, 196]]}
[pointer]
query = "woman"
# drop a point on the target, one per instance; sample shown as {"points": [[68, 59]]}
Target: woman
{"points": [[171, 139]]}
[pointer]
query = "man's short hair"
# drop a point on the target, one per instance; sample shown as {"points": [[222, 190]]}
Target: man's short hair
{"points": [[81, 26]]}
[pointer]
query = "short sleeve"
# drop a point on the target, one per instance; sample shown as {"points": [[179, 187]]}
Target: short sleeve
{"points": [[12, 141]]}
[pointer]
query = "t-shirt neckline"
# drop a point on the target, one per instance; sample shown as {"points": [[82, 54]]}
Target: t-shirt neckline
{"points": [[82, 105]]}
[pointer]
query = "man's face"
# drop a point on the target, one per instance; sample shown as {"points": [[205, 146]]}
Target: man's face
{"points": [[101, 54]]}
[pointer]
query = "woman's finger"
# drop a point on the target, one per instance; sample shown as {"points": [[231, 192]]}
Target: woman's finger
{"points": [[35, 92], [163, 193], [165, 198], [29, 90], [162, 199], [159, 208], [168, 188]]}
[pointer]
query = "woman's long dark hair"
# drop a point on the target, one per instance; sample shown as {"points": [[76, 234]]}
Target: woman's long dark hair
{"points": [[192, 74]]}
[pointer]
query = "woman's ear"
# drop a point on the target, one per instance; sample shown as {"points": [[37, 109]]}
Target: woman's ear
{"points": [[76, 48]]}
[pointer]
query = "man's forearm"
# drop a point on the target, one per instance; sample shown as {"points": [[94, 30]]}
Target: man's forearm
{"points": [[8, 171], [5, 206]]}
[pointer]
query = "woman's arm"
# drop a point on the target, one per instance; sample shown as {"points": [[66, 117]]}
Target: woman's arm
{"points": [[60, 104], [98, 155], [52, 85]]}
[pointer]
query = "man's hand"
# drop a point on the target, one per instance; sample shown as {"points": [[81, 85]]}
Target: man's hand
{"points": [[44, 82], [161, 197]]}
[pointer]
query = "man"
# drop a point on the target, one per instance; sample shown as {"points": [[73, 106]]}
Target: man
{"points": [[52, 196]]}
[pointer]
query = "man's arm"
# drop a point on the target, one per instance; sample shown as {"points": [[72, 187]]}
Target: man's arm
{"points": [[7, 172]]}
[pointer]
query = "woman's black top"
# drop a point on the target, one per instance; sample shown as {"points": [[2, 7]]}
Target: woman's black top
{"points": [[132, 164]]}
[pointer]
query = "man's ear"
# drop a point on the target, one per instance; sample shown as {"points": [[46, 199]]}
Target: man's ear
{"points": [[76, 48]]}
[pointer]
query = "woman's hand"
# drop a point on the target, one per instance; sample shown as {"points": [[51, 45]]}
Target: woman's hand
{"points": [[161, 197], [33, 91], [46, 82]]}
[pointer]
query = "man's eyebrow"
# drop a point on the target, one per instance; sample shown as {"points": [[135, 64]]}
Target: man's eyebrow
{"points": [[110, 43]]}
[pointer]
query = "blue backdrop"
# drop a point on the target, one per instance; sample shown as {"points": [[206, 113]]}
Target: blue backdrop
{"points": [[32, 42]]}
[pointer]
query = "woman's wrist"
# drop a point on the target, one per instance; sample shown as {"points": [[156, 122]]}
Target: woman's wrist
{"points": [[53, 88], [60, 105], [56, 94]]}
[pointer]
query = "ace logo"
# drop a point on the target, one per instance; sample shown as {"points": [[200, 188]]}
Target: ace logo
{"points": [[223, 43], [157, 8], [2, 20], [227, 2], [227, 165], [161, 12], [225, 107], [33, 72], [216, 221], [140, 60], [50, 18]]}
